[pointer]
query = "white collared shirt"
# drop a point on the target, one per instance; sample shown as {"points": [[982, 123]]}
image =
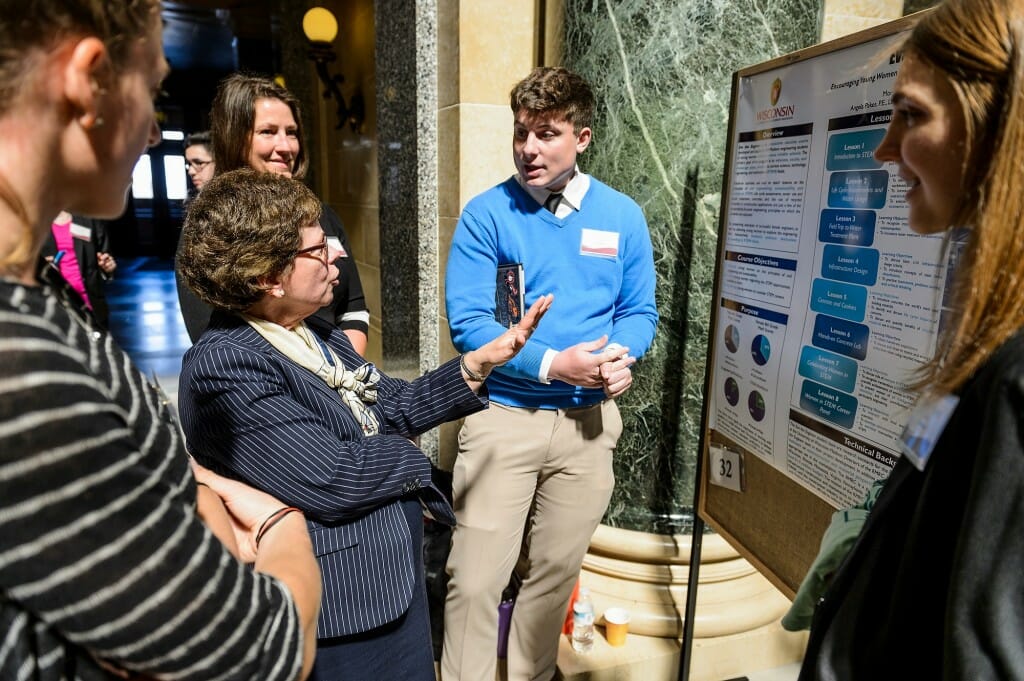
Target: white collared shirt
{"points": [[572, 195]]}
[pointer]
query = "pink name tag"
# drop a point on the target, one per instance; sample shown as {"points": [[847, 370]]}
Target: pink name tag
{"points": [[335, 244], [599, 243]]}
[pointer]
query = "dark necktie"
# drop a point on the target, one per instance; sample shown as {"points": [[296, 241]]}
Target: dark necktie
{"points": [[551, 203]]}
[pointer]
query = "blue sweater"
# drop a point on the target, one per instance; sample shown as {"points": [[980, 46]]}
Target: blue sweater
{"points": [[597, 261]]}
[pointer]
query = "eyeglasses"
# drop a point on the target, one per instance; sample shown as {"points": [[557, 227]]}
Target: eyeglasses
{"points": [[198, 165], [319, 252]]}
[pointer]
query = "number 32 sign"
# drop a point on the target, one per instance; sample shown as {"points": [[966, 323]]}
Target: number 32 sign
{"points": [[726, 469]]}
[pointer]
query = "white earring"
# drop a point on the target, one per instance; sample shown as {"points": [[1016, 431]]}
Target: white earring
{"points": [[89, 126]]}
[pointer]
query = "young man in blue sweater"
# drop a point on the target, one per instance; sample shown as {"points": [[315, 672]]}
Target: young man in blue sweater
{"points": [[534, 471]]}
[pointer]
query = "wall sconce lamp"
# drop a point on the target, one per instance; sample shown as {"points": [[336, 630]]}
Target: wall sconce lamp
{"points": [[320, 28]]}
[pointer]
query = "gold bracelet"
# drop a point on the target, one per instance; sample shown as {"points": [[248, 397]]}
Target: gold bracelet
{"points": [[473, 375]]}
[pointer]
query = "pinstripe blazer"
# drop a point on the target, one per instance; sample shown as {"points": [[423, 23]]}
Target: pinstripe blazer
{"points": [[251, 413]]}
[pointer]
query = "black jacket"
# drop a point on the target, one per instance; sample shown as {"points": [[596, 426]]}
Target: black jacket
{"points": [[934, 586], [85, 253]]}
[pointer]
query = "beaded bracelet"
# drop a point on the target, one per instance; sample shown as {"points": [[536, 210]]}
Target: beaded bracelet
{"points": [[273, 519], [473, 375]]}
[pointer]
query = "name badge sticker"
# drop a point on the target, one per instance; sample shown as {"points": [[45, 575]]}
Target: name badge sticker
{"points": [[335, 244], [596, 242], [81, 232], [927, 421]]}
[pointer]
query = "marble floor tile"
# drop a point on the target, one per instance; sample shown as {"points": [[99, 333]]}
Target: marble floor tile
{"points": [[145, 319]]}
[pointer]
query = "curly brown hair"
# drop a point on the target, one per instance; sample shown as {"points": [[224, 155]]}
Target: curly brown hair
{"points": [[556, 92], [241, 231]]}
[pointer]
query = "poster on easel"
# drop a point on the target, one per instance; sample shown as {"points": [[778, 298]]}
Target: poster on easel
{"points": [[825, 301]]}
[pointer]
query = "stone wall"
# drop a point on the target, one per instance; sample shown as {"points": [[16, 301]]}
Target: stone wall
{"points": [[662, 72]]}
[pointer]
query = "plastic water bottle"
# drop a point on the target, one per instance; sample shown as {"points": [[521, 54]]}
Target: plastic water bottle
{"points": [[583, 622]]}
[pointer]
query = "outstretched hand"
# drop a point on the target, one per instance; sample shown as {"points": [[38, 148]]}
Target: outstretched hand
{"points": [[507, 345]]}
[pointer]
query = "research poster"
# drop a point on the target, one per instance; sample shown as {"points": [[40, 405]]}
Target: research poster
{"points": [[827, 301]]}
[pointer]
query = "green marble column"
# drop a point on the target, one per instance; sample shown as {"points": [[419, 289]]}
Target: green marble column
{"points": [[662, 72]]}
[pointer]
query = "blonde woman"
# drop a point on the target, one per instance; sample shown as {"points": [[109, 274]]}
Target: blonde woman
{"points": [[932, 589], [105, 567]]}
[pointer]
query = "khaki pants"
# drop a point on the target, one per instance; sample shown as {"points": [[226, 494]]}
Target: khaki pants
{"points": [[545, 474]]}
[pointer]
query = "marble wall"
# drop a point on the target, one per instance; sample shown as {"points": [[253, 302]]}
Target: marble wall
{"points": [[662, 72], [407, 95]]}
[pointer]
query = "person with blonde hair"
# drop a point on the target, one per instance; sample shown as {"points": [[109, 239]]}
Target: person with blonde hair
{"points": [[932, 588], [107, 569]]}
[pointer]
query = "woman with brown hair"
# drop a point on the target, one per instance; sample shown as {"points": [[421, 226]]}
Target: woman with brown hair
{"points": [[932, 588], [106, 567], [256, 123]]}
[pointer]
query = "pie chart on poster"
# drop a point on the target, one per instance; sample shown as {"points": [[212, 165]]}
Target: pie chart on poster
{"points": [[755, 403], [732, 391], [760, 349], [732, 338]]}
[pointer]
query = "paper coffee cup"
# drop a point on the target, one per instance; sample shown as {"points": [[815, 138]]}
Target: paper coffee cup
{"points": [[616, 624]]}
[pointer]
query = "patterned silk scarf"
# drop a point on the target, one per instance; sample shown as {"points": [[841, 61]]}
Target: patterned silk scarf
{"points": [[357, 388]]}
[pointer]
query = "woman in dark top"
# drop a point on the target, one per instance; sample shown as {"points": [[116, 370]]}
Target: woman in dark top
{"points": [[933, 587], [256, 123]]}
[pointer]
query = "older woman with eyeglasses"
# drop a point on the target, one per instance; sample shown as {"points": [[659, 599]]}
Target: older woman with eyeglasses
{"points": [[274, 396]]}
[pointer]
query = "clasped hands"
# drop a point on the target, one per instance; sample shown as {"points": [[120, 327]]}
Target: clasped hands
{"points": [[595, 364]]}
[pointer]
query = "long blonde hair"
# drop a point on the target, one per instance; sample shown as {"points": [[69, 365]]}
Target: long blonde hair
{"points": [[979, 45]]}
